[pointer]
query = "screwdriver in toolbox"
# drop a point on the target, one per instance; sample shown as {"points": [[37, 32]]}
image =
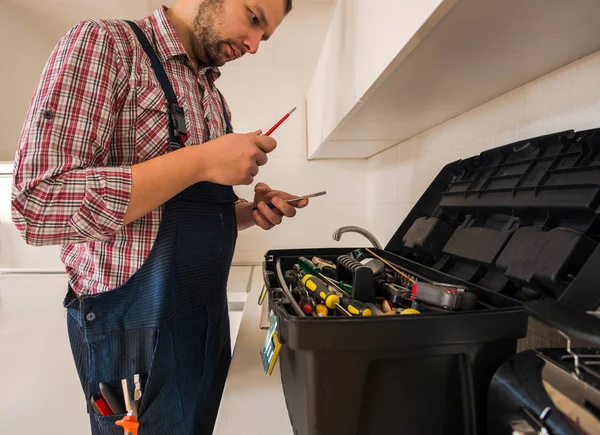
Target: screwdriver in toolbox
{"points": [[356, 307], [308, 267], [321, 293]]}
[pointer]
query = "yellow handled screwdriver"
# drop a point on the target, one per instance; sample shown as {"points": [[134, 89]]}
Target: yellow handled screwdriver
{"points": [[319, 290], [356, 307]]}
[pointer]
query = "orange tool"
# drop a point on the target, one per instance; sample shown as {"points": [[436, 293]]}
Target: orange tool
{"points": [[129, 423]]}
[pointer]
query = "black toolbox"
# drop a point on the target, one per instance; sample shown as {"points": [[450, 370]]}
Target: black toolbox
{"points": [[514, 224]]}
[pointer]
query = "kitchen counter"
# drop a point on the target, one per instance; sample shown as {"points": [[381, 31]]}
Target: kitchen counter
{"points": [[253, 402]]}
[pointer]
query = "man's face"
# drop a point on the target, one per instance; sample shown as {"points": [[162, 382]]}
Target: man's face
{"points": [[225, 30]]}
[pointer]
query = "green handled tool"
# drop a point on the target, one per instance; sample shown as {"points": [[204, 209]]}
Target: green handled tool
{"points": [[310, 268]]}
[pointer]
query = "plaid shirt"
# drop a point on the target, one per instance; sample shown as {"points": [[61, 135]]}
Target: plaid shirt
{"points": [[97, 110]]}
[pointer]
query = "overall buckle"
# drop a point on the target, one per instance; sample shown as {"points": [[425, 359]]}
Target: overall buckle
{"points": [[177, 122]]}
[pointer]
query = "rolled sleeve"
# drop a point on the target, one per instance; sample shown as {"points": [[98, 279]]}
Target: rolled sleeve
{"points": [[64, 190]]}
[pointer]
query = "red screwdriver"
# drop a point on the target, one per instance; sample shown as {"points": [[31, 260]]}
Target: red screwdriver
{"points": [[286, 116]]}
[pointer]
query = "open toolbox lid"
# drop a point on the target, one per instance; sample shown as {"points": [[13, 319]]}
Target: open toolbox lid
{"points": [[520, 220]]}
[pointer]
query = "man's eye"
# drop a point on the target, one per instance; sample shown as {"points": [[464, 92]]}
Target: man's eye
{"points": [[254, 19]]}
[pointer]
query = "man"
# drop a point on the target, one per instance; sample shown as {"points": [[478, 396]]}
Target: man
{"points": [[127, 159]]}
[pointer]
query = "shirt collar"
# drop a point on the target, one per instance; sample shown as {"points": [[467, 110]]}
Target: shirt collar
{"points": [[168, 44]]}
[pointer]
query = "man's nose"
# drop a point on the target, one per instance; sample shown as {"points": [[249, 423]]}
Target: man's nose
{"points": [[251, 44]]}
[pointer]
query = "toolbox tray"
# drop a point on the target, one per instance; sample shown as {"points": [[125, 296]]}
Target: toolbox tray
{"points": [[514, 224]]}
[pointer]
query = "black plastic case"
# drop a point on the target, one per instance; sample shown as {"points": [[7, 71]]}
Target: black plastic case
{"points": [[514, 224]]}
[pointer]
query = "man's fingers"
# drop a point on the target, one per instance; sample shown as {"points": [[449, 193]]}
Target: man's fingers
{"points": [[261, 158], [300, 204], [286, 196], [261, 188], [262, 221], [286, 209], [265, 143], [271, 215]]}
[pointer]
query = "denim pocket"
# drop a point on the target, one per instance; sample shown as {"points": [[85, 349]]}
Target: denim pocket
{"points": [[107, 424], [121, 355]]}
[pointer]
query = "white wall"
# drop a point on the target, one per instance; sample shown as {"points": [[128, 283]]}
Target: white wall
{"points": [[568, 98], [24, 51], [261, 89]]}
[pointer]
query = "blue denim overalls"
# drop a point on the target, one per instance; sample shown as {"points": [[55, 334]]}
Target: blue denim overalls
{"points": [[169, 322]]}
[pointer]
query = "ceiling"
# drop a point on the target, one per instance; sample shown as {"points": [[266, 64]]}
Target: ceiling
{"points": [[55, 17]]}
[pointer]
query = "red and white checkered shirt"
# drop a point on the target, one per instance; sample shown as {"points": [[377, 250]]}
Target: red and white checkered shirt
{"points": [[99, 109]]}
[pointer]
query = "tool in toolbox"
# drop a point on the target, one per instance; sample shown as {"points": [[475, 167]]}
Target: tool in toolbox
{"points": [[288, 293], [397, 294], [355, 307], [308, 267], [321, 293], [391, 266], [444, 295], [320, 262], [322, 310], [129, 423], [327, 268]]}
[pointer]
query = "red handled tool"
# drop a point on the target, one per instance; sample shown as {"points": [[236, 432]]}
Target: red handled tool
{"points": [[286, 116], [100, 406]]}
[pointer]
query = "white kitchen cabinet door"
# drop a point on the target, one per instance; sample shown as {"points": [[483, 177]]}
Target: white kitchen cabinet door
{"points": [[383, 29], [418, 64], [333, 91]]}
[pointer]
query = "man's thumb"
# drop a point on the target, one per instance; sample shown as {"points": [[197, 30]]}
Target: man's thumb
{"points": [[261, 188]]}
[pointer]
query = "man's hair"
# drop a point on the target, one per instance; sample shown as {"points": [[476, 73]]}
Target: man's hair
{"points": [[288, 6]]}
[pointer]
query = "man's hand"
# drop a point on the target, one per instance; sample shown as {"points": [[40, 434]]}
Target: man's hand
{"points": [[234, 159], [267, 218], [231, 160]]}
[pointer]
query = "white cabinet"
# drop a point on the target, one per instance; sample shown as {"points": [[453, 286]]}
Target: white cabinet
{"points": [[390, 70], [333, 92], [383, 29]]}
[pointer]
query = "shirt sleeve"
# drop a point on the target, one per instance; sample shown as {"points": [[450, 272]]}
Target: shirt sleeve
{"points": [[63, 190]]}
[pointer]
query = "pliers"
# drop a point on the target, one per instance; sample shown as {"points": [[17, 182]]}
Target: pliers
{"points": [[130, 423]]}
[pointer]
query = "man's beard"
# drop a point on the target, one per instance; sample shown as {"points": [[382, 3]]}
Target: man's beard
{"points": [[208, 43]]}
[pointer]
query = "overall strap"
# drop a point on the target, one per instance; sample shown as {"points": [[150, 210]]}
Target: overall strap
{"points": [[228, 126], [177, 131]]}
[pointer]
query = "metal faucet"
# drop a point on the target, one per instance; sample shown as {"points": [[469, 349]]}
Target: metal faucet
{"points": [[350, 229]]}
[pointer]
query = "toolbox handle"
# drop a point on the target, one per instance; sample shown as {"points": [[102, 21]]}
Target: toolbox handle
{"points": [[573, 323]]}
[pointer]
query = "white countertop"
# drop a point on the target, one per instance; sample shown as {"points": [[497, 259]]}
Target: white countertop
{"points": [[253, 402]]}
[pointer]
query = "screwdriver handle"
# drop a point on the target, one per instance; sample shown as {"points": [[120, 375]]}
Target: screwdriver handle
{"points": [[307, 266], [320, 291], [356, 307]]}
